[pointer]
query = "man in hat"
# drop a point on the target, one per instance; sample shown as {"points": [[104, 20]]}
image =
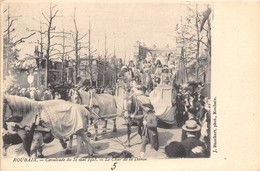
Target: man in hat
{"points": [[175, 150], [150, 133], [191, 127], [191, 115]]}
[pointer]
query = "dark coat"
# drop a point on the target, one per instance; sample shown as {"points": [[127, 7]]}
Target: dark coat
{"points": [[191, 142], [150, 131]]}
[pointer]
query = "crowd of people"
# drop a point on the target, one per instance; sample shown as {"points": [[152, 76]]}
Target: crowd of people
{"points": [[61, 91], [192, 105], [37, 94], [193, 116], [149, 73], [99, 89]]}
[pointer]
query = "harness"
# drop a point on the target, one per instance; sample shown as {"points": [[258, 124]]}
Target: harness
{"points": [[139, 105], [17, 126], [88, 107]]}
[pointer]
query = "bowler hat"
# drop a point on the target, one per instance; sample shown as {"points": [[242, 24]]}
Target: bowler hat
{"points": [[191, 126]]}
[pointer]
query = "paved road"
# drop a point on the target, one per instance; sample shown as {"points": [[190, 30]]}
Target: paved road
{"points": [[113, 142]]}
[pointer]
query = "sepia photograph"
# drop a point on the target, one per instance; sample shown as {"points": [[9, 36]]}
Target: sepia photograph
{"points": [[95, 82], [118, 82]]}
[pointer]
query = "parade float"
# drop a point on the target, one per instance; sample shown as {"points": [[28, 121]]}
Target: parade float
{"points": [[162, 98]]}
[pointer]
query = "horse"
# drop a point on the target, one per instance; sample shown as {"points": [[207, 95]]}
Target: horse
{"points": [[99, 105], [62, 118], [18, 149], [135, 106], [17, 115]]}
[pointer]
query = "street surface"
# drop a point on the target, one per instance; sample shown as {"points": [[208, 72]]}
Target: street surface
{"points": [[113, 142]]}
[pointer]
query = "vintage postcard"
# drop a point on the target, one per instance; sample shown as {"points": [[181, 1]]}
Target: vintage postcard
{"points": [[129, 85]]}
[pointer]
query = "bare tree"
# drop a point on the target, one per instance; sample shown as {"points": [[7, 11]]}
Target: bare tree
{"points": [[11, 53], [191, 36], [51, 34], [78, 45], [47, 41], [64, 54], [92, 71]]}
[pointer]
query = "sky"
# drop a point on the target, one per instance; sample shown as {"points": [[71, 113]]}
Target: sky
{"points": [[123, 23]]}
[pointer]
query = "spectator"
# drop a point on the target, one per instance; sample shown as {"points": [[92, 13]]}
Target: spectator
{"points": [[190, 115], [175, 150], [150, 133], [191, 127], [57, 95]]}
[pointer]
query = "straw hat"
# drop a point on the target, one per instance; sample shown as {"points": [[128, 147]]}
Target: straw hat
{"points": [[123, 67], [191, 126]]}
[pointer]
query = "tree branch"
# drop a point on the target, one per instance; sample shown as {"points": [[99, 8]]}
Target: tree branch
{"points": [[51, 49], [10, 24], [21, 40], [52, 7], [38, 31], [54, 44], [46, 18], [93, 52], [54, 14], [70, 51], [204, 43], [74, 19], [73, 38], [55, 36], [53, 54], [83, 36]]}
